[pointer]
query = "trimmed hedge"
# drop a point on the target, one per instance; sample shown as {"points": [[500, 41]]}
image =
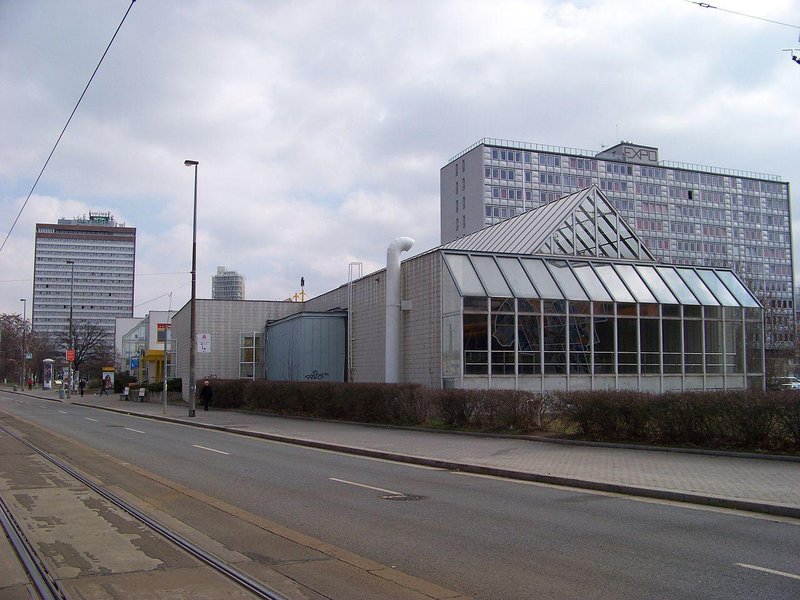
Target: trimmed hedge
{"points": [[742, 420]]}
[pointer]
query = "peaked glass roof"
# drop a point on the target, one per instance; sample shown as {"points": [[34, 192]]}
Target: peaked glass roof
{"points": [[580, 224]]}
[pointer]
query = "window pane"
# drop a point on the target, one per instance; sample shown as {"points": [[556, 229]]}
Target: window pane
{"points": [[476, 344], [698, 288], [517, 278], [693, 346], [580, 344], [677, 285], [635, 283], [604, 344], [614, 284], [566, 279], [591, 282], [555, 343], [490, 275], [717, 287], [541, 278], [673, 345], [656, 285], [464, 275], [735, 286]]}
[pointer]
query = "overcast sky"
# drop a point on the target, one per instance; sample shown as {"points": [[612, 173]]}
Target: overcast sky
{"points": [[321, 126]]}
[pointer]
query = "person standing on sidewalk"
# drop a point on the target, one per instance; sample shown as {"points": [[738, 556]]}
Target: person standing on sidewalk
{"points": [[206, 394], [105, 386], [82, 385]]}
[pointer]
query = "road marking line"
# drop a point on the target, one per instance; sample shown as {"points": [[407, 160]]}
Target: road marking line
{"points": [[136, 430], [369, 487], [63, 412], [765, 570], [91, 419], [211, 449]]}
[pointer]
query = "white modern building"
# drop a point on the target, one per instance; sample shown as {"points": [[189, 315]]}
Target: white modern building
{"points": [[683, 213], [227, 285], [84, 267], [147, 344], [563, 297]]}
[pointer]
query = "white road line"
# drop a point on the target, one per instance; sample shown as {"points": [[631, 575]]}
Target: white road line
{"points": [[136, 430], [369, 487], [772, 571], [63, 412], [90, 419], [211, 449]]}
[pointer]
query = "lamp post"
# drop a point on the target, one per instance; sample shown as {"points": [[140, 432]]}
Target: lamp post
{"points": [[192, 324], [71, 349], [24, 350]]}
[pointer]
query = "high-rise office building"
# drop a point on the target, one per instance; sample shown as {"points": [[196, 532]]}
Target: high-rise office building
{"points": [[227, 285], [685, 213], [84, 266]]}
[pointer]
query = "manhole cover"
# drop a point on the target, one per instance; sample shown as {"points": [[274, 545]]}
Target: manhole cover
{"points": [[402, 497]]}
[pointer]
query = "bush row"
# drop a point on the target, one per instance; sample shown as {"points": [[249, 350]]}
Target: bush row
{"points": [[734, 419]]}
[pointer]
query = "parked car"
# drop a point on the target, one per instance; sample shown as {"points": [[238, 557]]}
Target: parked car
{"points": [[789, 382]]}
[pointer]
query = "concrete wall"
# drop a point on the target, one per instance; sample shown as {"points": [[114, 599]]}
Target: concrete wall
{"points": [[224, 321]]}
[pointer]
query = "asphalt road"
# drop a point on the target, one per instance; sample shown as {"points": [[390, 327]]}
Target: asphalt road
{"points": [[485, 537]]}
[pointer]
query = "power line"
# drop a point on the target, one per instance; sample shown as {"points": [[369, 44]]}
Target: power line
{"points": [[72, 114], [741, 14]]}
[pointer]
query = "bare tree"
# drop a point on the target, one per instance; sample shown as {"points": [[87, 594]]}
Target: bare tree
{"points": [[92, 348]]}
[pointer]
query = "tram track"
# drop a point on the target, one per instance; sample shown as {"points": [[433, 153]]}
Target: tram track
{"points": [[47, 586]]}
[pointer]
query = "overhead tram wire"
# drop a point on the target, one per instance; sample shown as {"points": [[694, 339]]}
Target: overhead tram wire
{"points": [[72, 114], [741, 14]]}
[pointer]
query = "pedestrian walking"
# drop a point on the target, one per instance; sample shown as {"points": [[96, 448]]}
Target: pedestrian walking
{"points": [[206, 394], [106, 385], [82, 385], [30, 383]]}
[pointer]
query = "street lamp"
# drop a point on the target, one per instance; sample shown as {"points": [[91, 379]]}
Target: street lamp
{"points": [[71, 349], [192, 383], [24, 350]]}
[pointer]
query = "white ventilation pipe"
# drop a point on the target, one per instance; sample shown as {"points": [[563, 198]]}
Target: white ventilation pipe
{"points": [[401, 244]]}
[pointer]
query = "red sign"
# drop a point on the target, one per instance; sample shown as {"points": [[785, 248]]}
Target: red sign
{"points": [[70, 355]]}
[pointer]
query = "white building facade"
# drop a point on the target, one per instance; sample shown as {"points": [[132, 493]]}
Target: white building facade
{"points": [[227, 285], [684, 214], [85, 266]]}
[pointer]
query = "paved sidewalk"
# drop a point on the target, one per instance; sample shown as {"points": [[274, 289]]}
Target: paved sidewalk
{"points": [[744, 482]]}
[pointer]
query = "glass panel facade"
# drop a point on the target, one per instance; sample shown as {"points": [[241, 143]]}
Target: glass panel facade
{"points": [[490, 275], [574, 318], [506, 337]]}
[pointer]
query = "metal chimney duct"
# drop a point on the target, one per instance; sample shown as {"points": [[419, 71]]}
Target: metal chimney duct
{"points": [[401, 244]]}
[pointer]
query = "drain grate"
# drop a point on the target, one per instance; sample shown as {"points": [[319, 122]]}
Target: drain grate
{"points": [[402, 497]]}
